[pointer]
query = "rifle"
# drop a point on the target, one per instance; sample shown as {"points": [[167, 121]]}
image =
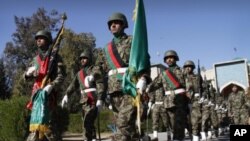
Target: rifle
{"points": [[53, 51], [200, 81]]}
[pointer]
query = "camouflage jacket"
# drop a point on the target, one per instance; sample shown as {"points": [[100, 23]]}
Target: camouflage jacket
{"points": [[123, 46], [160, 81], [172, 99], [236, 101], [158, 96], [57, 75], [98, 83], [192, 85]]}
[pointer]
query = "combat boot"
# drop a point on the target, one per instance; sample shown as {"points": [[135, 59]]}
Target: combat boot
{"points": [[203, 136], [155, 136], [195, 138], [209, 135], [32, 137]]}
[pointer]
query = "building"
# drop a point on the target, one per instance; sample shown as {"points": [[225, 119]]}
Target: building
{"points": [[225, 74]]}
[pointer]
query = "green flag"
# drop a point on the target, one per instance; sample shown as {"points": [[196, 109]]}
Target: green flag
{"points": [[139, 60]]}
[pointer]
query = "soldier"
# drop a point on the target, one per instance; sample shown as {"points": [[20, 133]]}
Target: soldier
{"points": [[172, 80], [236, 101], [213, 117], [90, 82], [193, 88], [159, 112], [244, 113], [115, 60], [209, 122], [221, 111], [38, 71]]}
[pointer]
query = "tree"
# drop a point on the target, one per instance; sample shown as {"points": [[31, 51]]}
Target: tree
{"points": [[4, 88]]}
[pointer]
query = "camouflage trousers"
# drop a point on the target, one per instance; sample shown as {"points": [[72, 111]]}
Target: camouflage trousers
{"points": [[125, 112], [89, 115], [209, 120], [178, 116], [236, 116], [159, 112], [196, 120]]}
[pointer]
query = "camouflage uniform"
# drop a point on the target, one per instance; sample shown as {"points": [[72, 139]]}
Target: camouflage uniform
{"points": [[159, 112], [55, 80], [236, 101], [209, 115], [89, 96], [176, 100], [122, 104], [244, 113], [192, 86]]}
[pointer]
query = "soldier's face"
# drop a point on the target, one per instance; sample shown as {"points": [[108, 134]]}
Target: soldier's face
{"points": [[188, 69], [116, 27], [84, 61], [170, 60], [41, 42], [234, 89]]}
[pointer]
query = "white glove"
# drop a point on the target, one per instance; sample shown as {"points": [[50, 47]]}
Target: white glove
{"points": [[30, 71], [201, 100], [64, 100], [110, 107], [48, 88], [216, 107], [99, 104], [150, 105], [141, 85], [210, 103], [88, 80]]}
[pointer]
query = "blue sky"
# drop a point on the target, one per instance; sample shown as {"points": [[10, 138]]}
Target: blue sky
{"points": [[207, 30]]}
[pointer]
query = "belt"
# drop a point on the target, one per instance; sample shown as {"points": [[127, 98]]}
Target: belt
{"points": [[88, 90], [159, 102], [177, 91], [118, 70]]}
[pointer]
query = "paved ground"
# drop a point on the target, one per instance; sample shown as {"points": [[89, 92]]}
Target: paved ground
{"points": [[106, 137]]}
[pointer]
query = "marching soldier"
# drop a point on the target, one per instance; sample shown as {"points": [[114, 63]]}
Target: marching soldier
{"points": [[159, 112], [172, 80], [192, 87], [38, 70], [115, 60], [90, 82], [236, 102]]}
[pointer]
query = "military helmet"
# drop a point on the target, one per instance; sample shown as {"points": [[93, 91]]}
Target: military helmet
{"points": [[189, 63], [84, 54], [171, 53], [44, 33], [118, 17]]}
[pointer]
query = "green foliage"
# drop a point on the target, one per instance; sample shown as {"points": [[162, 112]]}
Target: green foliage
{"points": [[4, 88], [13, 119]]}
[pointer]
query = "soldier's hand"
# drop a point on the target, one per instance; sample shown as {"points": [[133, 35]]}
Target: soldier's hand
{"points": [[99, 105], [30, 71], [64, 101], [88, 79], [201, 100], [48, 88], [110, 107], [150, 105], [141, 85]]}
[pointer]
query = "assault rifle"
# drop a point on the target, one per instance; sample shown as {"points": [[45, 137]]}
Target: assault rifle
{"points": [[53, 51], [200, 81]]}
